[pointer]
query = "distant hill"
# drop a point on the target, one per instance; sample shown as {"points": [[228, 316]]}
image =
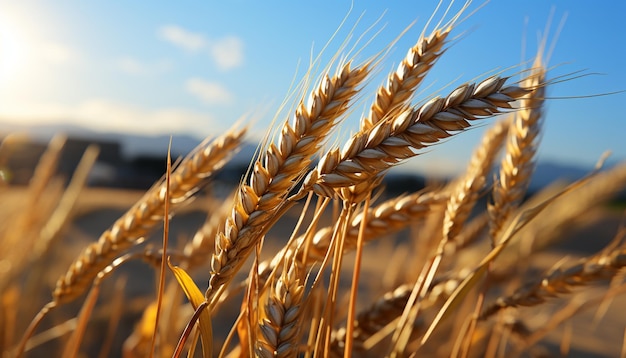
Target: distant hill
{"points": [[549, 172], [132, 145], [136, 147]]}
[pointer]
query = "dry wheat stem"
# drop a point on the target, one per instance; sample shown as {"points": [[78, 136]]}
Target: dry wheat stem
{"points": [[465, 192], [62, 213], [275, 174], [370, 153], [559, 281], [518, 162], [402, 83], [145, 214]]}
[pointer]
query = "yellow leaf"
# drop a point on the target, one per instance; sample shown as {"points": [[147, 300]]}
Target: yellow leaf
{"points": [[196, 298]]}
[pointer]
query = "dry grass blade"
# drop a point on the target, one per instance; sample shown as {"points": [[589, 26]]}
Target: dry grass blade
{"points": [[166, 231], [143, 216], [59, 218], [275, 173], [21, 236], [201, 314], [370, 153], [73, 345]]}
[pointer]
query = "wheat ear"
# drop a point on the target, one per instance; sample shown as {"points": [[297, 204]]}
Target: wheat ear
{"points": [[275, 174], [369, 153], [465, 192], [145, 214], [402, 83], [604, 265], [199, 249], [388, 217], [518, 163], [390, 307], [280, 326]]}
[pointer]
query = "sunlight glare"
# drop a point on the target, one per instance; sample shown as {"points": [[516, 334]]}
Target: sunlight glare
{"points": [[13, 50]]}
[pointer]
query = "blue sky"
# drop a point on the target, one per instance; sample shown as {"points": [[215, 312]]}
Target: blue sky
{"points": [[194, 67]]}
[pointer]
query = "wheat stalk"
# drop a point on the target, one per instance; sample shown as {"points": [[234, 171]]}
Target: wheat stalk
{"points": [[145, 214], [571, 209]]}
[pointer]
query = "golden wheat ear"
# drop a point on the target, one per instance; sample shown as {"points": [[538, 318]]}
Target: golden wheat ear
{"points": [[401, 84], [277, 171], [138, 221], [467, 189], [518, 163], [370, 153], [561, 281], [280, 321], [145, 214]]}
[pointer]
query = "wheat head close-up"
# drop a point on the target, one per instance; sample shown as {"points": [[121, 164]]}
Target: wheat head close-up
{"points": [[383, 203]]}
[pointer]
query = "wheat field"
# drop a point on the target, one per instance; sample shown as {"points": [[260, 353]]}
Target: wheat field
{"points": [[311, 255]]}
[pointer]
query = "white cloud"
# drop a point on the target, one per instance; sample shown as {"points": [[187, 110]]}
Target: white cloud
{"points": [[135, 67], [227, 52], [209, 92], [108, 115], [182, 38]]}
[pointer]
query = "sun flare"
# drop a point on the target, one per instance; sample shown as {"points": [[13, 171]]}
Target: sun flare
{"points": [[13, 50]]}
